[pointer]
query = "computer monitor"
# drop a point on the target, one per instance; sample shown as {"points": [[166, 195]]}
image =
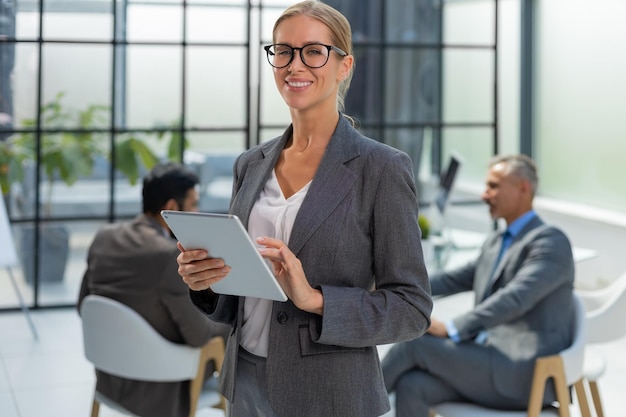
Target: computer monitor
{"points": [[446, 182]]}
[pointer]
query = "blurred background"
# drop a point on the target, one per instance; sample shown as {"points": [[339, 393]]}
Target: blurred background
{"points": [[92, 92]]}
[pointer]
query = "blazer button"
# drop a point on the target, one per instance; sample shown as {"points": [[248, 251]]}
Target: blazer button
{"points": [[282, 317]]}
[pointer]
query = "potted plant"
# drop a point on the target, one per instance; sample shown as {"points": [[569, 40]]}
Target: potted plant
{"points": [[66, 157]]}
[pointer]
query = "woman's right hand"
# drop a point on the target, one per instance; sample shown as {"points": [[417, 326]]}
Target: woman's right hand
{"points": [[198, 270]]}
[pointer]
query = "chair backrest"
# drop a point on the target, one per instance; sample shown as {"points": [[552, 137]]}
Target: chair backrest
{"points": [[119, 341], [574, 356], [607, 322]]}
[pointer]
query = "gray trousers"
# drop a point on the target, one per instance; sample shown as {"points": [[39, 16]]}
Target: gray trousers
{"points": [[250, 388], [430, 370]]}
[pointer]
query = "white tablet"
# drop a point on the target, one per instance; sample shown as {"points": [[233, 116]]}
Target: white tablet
{"points": [[224, 236]]}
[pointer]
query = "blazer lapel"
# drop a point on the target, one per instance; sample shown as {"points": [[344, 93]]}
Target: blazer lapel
{"points": [[329, 187], [490, 255], [511, 251], [257, 173]]}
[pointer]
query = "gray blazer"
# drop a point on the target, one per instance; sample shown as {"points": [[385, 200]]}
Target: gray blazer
{"points": [[525, 316], [135, 263], [357, 237]]}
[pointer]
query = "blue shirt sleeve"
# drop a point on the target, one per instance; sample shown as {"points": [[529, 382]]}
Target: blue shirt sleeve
{"points": [[453, 333]]}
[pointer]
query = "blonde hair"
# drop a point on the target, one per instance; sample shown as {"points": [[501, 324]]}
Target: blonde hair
{"points": [[340, 31]]}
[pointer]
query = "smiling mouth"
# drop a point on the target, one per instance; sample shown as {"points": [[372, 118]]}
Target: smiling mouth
{"points": [[299, 84]]}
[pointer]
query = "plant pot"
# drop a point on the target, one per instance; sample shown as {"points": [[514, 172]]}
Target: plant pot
{"points": [[53, 252]]}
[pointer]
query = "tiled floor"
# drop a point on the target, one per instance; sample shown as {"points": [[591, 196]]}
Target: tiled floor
{"points": [[50, 376]]}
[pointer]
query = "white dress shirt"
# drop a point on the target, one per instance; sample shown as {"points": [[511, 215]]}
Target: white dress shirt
{"points": [[272, 216]]}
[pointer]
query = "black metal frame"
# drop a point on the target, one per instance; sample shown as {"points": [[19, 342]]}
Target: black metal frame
{"points": [[252, 129]]}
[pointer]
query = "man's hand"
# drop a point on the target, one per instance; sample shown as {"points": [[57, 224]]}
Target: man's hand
{"points": [[437, 328]]}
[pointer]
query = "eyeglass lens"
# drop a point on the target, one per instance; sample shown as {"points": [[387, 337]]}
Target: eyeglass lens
{"points": [[313, 56]]}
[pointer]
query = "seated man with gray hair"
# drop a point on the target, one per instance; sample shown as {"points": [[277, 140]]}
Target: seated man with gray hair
{"points": [[523, 285]]}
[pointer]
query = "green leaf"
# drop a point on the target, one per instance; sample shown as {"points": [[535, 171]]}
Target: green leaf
{"points": [[174, 148], [125, 160], [145, 154]]}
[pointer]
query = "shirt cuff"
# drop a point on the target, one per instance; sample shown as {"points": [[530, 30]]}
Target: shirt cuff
{"points": [[453, 333]]}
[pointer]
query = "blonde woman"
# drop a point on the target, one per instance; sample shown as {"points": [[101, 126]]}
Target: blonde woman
{"points": [[336, 213]]}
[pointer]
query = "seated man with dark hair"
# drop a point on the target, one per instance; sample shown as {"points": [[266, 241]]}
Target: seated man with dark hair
{"points": [[135, 263], [523, 284]]}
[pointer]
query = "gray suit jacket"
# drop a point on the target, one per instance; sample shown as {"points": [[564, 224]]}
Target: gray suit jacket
{"points": [[356, 230], [135, 263], [526, 316]]}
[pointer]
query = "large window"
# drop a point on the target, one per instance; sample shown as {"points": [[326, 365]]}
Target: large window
{"points": [[89, 86], [580, 99]]}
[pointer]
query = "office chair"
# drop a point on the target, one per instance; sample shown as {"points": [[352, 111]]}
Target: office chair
{"points": [[565, 368], [606, 313], [119, 341]]}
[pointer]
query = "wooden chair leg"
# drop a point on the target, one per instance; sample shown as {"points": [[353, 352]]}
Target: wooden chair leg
{"points": [[552, 367], [213, 350], [95, 408], [546, 368], [216, 354], [595, 397], [581, 396]]}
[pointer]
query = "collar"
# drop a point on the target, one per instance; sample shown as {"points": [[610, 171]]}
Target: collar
{"points": [[516, 227]]}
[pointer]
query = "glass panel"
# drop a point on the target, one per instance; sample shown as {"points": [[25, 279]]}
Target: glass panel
{"points": [[212, 156], [468, 86], [281, 4], [153, 96], [149, 23], [54, 251], [142, 2], [72, 165], [27, 25], [68, 253], [364, 17], [216, 142], [411, 141], [412, 21], [216, 86], [268, 18], [226, 2], [7, 63], [469, 22], [207, 24], [79, 26], [78, 79], [19, 83], [509, 76], [135, 155], [412, 90], [475, 148], [269, 134], [69, 161], [20, 197], [363, 98], [579, 101], [274, 111]]}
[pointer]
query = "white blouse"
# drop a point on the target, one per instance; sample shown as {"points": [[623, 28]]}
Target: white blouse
{"points": [[272, 216]]}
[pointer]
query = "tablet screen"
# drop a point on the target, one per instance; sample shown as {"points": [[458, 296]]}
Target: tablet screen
{"points": [[224, 236]]}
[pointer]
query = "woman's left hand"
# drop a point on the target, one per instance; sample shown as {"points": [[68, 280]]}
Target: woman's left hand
{"points": [[290, 275]]}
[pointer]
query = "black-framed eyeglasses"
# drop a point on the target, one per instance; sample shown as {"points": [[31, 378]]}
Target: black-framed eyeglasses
{"points": [[313, 55]]}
